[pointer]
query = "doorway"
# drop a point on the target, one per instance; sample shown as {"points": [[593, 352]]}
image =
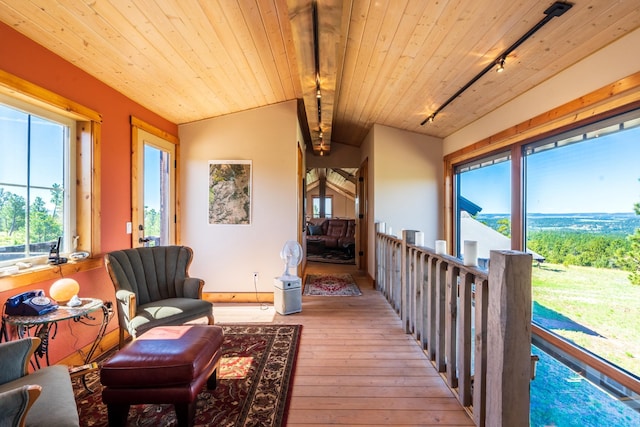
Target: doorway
{"points": [[331, 219], [153, 188]]}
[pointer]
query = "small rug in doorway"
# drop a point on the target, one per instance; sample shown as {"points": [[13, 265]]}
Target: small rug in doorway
{"points": [[256, 372], [339, 284]]}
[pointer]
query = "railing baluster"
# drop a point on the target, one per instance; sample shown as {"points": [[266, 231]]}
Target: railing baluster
{"points": [[464, 339], [430, 302], [421, 301], [451, 325], [480, 361], [440, 302]]}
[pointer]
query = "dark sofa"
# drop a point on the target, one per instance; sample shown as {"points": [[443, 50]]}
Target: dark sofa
{"points": [[333, 233]]}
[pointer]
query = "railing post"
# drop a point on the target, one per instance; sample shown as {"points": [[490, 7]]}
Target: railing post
{"points": [[509, 339]]}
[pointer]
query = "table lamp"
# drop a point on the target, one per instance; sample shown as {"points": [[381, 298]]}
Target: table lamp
{"points": [[62, 290]]}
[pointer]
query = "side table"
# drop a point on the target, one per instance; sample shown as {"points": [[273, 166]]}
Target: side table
{"points": [[45, 327]]}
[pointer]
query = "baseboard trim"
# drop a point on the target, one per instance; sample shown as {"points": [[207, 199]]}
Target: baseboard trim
{"points": [[241, 297]]}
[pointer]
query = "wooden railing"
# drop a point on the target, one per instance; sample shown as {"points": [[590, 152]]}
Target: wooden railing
{"points": [[474, 325]]}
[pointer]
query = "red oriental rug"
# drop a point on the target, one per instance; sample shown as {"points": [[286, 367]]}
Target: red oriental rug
{"points": [[256, 374], [339, 284]]}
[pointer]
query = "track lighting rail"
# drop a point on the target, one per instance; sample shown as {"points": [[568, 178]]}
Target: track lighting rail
{"points": [[556, 9]]}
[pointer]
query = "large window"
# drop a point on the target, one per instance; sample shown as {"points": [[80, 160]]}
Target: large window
{"points": [[483, 204], [581, 189], [580, 217], [37, 200]]}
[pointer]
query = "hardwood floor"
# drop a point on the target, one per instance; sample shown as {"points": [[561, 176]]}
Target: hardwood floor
{"points": [[356, 366]]}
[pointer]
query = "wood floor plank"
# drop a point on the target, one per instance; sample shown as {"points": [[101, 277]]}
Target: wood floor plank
{"points": [[357, 367]]}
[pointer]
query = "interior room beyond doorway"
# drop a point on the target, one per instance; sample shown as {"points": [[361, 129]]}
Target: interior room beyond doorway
{"points": [[330, 214]]}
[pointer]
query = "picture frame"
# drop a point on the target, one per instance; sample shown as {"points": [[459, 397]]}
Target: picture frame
{"points": [[230, 183]]}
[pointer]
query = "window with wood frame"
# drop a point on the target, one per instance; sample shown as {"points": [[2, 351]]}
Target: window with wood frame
{"points": [[48, 179]]}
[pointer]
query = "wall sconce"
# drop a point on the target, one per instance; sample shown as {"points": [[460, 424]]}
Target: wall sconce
{"points": [[556, 9]]}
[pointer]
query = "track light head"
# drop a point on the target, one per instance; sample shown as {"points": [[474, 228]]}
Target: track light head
{"points": [[500, 65], [318, 94], [428, 119]]}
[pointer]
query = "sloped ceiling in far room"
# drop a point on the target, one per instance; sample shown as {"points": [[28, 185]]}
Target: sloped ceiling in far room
{"points": [[341, 180]]}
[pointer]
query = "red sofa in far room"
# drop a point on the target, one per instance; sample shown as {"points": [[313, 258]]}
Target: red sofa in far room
{"points": [[333, 233]]}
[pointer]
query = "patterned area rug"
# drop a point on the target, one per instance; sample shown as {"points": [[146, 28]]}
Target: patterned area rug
{"points": [[337, 256], [253, 390], [339, 284]]}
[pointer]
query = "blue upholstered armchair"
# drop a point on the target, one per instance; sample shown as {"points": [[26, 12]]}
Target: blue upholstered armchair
{"points": [[153, 288], [44, 397]]}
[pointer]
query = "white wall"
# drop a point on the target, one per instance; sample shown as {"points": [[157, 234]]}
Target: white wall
{"points": [[408, 181], [611, 63], [225, 256], [405, 169]]}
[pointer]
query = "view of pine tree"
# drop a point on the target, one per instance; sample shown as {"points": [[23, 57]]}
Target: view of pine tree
{"points": [[44, 225], [504, 227], [151, 222], [13, 214], [629, 258]]}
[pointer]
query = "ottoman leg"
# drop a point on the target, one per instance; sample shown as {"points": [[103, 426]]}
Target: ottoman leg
{"points": [[185, 413], [212, 382], [117, 414]]}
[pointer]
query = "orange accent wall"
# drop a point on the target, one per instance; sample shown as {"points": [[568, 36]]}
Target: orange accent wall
{"points": [[30, 61]]}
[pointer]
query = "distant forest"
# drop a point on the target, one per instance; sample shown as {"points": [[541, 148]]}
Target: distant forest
{"points": [[592, 240]]}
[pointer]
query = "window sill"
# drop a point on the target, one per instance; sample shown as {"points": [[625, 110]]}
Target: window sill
{"points": [[40, 273]]}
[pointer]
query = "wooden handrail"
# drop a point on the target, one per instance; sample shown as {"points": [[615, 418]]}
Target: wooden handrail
{"points": [[445, 304]]}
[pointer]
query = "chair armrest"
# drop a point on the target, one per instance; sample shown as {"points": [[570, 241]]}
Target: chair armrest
{"points": [[127, 301], [15, 403], [192, 288], [15, 356]]}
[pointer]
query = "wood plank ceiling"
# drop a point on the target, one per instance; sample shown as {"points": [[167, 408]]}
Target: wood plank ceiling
{"points": [[391, 62]]}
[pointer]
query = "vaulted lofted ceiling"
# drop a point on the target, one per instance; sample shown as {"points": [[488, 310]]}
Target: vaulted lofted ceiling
{"points": [[341, 180], [392, 62]]}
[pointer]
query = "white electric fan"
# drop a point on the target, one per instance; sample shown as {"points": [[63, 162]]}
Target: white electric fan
{"points": [[291, 254]]}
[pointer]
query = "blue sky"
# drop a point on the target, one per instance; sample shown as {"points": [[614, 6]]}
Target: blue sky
{"points": [[599, 175], [152, 177]]}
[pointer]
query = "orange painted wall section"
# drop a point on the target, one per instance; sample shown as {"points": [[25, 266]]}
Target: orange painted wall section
{"points": [[26, 59]]}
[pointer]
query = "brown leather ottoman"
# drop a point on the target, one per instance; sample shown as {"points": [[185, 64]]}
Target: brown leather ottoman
{"points": [[167, 364]]}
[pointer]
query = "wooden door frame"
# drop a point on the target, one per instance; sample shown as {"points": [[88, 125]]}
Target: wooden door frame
{"points": [[362, 215], [136, 126]]}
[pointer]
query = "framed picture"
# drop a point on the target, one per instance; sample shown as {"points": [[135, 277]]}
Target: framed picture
{"points": [[230, 192]]}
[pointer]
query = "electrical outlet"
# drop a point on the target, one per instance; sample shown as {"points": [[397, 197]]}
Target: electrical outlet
{"points": [[255, 275]]}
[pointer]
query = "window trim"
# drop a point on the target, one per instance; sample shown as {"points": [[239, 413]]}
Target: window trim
{"points": [[70, 153], [88, 161]]}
